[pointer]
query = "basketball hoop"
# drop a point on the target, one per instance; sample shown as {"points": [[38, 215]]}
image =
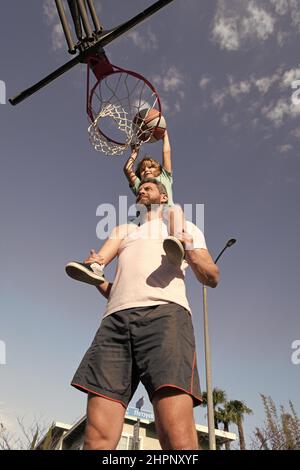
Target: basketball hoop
{"points": [[113, 105]]}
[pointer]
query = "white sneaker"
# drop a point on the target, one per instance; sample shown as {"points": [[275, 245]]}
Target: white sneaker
{"points": [[174, 250], [91, 273]]}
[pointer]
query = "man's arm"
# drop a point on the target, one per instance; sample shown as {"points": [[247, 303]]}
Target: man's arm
{"points": [[166, 153], [129, 173], [206, 271], [201, 262]]}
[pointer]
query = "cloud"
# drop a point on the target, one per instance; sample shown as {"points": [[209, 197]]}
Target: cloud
{"points": [[164, 105], [218, 98], [204, 82], [285, 148], [239, 88], [171, 82], [261, 91], [238, 23], [234, 90], [296, 132], [289, 76], [264, 84], [52, 19], [146, 42], [58, 37], [265, 101], [295, 13], [227, 119], [50, 11], [281, 6], [225, 34], [277, 112], [259, 23]]}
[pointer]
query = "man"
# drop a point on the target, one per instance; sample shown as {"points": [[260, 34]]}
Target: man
{"points": [[146, 333]]}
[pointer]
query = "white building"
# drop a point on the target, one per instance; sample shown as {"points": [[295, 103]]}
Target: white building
{"points": [[137, 424]]}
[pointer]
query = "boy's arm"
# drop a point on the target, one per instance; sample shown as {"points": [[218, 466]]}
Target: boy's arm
{"points": [[166, 154], [104, 288], [129, 173]]}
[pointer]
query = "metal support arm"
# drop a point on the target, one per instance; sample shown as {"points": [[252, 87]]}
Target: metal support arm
{"points": [[104, 39]]}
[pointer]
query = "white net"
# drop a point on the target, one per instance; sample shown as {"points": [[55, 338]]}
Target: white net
{"points": [[100, 141], [114, 103]]}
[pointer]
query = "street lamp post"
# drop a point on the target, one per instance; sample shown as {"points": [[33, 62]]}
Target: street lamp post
{"points": [[136, 428], [209, 393]]}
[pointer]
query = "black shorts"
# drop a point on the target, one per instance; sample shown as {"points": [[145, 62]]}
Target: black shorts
{"points": [[154, 345]]}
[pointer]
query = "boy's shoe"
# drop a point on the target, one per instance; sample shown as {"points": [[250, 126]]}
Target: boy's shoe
{"points": [[174, 250], [91, 273]]}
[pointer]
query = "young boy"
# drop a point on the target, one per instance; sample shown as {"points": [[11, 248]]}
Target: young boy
{"points": [[92, 273], [150, 168]]}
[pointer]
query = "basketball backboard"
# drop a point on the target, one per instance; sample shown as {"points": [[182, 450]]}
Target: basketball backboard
{"points": [[91, 39]]}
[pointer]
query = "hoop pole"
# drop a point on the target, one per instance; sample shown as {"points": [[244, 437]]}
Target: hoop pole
{"points": [[105, 39], [85, 19], [76, 18], [97, 25], [65, 25], [45, 81]]}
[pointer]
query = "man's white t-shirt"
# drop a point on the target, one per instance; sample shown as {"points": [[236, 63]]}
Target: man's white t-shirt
{"points": [[144, 275]]}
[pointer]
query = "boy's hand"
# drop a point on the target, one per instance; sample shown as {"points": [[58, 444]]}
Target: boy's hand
{"points": [[134, 150], [94, 258]]}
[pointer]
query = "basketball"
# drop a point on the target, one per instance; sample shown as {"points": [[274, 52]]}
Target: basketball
{"points": [[149, 121]]}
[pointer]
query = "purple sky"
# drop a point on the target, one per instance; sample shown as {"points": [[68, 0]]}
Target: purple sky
{"points": [[224, 70]]}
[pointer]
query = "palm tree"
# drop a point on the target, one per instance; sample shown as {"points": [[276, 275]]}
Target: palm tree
{"points": [[225, 416], [238, 409], [219, 397]]}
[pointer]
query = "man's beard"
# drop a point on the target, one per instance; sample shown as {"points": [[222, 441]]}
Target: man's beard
{"points": [[148, 206], [154, 202]]}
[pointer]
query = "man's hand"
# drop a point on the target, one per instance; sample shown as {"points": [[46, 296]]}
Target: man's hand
{"points": [[186, 239], [201, 262], [94, 258]]}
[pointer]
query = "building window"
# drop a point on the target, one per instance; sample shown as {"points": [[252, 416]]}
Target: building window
{"points": [[126, 442]]}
